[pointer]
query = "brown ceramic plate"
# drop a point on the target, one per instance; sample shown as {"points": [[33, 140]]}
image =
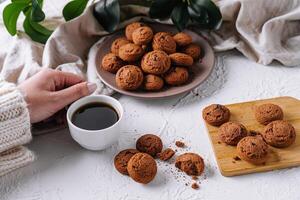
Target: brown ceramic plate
{"points": [[199, 71]]}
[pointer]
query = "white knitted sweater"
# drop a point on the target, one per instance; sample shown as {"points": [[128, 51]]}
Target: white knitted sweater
{"points": [[14, 129]]}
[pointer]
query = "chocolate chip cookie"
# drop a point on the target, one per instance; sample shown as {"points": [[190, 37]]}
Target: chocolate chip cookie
{"points": [[129, 77], [111, 63], [279, 134], [216, 114], [142, 168], [122, 158], [232, 132], [267, 113], [150, 144]]}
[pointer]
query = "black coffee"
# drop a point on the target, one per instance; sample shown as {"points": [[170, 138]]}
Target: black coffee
{"points": [[95, 116]]}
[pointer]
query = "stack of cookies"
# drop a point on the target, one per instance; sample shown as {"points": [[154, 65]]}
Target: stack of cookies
{"points": [[148, 60], [252, 146], [140, 163]]}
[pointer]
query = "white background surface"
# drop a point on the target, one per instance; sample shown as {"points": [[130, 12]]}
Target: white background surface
{"points": [[64, 170]]}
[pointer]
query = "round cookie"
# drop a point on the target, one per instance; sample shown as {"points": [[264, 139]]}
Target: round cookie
{"points": [[132, 27], [192, 164], [232, 132], [115, 46], [267, 113], [192, 50], [142, 35], [165, 42], [142, 168], [279, 134], [150, 144], [130, 52], [111, 63], [182, 39], [216, 114], [122, 158], [253, 149], [156, 62], [129, 77], [153, 82], [176, 76], [181, 59]]}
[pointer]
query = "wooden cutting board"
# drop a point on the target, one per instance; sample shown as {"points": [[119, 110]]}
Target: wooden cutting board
{"points": [[278, 158]]}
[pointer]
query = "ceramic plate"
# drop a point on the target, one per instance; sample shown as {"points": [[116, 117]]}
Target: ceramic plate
{"points": [[199, 71]]}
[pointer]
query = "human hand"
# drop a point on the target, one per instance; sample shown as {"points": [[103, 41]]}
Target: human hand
{"points": [[50, 91]]}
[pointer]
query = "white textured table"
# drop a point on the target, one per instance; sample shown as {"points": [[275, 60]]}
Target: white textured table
{"points": [[64, 170]]}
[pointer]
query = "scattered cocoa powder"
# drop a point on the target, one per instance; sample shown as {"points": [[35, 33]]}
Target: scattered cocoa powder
{"points": [[166, 154], [195, 186], [179, 144]]}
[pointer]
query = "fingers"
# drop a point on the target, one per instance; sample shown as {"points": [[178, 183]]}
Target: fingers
{"points": [[66, 79], [67, 96]]}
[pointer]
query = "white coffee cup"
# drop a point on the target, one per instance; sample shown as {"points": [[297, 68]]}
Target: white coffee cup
{"points": [[95, 139]]}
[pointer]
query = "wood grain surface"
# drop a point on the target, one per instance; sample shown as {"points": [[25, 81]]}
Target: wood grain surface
{"points": [[278, 158]]}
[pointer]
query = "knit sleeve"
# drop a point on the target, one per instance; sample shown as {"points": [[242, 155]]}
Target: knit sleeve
{"points": [[14, 117]]}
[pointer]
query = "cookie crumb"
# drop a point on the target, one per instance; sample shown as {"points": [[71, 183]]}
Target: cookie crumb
{"points": [[195, 178], [166, 154], [179, 144], [253, 133], [195, 186], [236, 158], [219, 142]]}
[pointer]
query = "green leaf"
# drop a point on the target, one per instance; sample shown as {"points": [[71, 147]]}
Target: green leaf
{"points": [[23, 1], [11, 14], [36, 31], [180, 16], [74, 9], [206, 13], [37, 13], [161, 9], [107, 13]]}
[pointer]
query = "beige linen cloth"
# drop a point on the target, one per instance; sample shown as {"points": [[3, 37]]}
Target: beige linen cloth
{"points": [[262, 30]]}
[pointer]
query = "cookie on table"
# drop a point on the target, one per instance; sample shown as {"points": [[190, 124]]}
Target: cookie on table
{"points": [[156, 62], [129, 77], [216, 114], [142, 168], [190, 163], [166, 154], [164, 41], [279, 134], [232, 132], [122, 158], [267, 113], [182, 39], [153, 82], [142, 35], [150, 144], [253, 149], [181, 59], [192, 50], [131, 28], [176, 76], [115, 46], [130, 52], [111, 63]]}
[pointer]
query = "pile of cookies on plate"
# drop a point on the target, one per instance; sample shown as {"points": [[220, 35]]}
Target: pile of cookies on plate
{"points": [[252, 146], [148, 60], [140, 163]]}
